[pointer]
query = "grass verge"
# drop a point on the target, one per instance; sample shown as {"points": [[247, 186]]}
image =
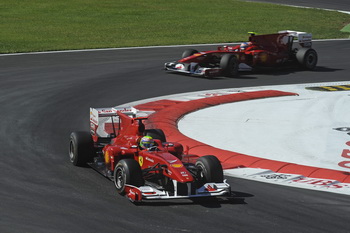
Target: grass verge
{"points": [[42, 25]]}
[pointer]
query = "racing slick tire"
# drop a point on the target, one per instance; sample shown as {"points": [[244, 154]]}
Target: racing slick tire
{"points": [[81, 148], [188, 52], [210, 169], [127, 171], [307, 58], [155, 134], [229, 65]]}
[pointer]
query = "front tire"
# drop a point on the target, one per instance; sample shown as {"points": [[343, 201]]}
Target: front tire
{"points": [[188, 52], [307, 58], [210, 169], [127, 171], [229, 65], [81, 148]]}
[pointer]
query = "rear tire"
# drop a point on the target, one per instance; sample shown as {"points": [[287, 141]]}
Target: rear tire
{"points": [[127, 171], [156, 134], [229, 65], [81, 148], [188, 52], [307, 58], [210, 169]]}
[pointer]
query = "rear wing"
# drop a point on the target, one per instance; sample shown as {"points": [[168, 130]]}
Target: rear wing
{"points": [[283, 40], [304, 38], [105, 122]]}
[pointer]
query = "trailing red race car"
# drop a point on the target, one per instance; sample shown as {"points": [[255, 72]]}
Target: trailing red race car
{"points": [[268, 50], [142, 165]]}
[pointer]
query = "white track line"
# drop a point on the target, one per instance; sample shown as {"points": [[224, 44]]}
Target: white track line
{"points": [[132, 48]]}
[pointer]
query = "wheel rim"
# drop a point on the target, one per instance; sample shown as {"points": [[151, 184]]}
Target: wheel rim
{"points": [[71, 151], [310, 60], [119, 178], [233, 68], [201, 171]]}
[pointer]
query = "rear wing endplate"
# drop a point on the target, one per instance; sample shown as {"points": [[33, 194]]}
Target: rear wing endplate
{"points": [[304, 38]]}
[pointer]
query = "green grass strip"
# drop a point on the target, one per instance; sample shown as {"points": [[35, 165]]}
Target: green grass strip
{"points": [[42, 25], [346, 29]]}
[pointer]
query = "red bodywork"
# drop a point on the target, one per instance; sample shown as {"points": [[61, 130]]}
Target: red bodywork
{"points": [[264, 51], [159, 172], [126, 145], [267, 50]]}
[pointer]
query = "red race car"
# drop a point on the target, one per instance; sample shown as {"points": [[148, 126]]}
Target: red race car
{"points": [[142, 165], [268, 50]]}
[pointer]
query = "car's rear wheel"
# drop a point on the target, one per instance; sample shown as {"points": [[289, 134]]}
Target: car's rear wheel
{"points": [[307, 58], [156, 134], [127, 171], [209, 169], [229, 65], [81, 148], [188, 52]]}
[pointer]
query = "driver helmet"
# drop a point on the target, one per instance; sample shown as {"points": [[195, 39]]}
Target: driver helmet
{"points": [[147, 142], [244, 45]]}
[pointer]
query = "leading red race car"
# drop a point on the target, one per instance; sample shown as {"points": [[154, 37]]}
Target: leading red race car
{"points": [[268, 50], [158, 171]]}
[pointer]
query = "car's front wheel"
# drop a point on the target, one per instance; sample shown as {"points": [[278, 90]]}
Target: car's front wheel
{"points": [[229, 65], [209, 169], [188, 52], [127, 171]]}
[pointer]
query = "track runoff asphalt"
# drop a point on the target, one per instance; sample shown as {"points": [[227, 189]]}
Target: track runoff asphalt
{"points": [[45, 97], [299, 138]]}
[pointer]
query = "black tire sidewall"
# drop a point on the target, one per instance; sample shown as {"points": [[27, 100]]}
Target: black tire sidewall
{"points": [[211, 169], [81, 149], [229, 65], [156, 134], [120, 171], [303, 56], [188, 52], [131, 174]]}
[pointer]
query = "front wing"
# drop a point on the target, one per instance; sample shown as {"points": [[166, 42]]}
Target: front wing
{"points": [[137, 194], [192, 69], [195, 70]]}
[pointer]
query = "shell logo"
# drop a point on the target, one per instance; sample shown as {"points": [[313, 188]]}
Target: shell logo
{"points": [[263, 57], [107, 160], [141, 160], [177, 165]]}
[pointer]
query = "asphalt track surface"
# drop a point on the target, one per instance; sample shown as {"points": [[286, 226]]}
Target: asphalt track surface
{"points": [[43, 97]]}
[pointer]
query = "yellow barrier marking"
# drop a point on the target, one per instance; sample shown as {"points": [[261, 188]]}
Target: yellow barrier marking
{"points": [[330, 88], [343, 87]]}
